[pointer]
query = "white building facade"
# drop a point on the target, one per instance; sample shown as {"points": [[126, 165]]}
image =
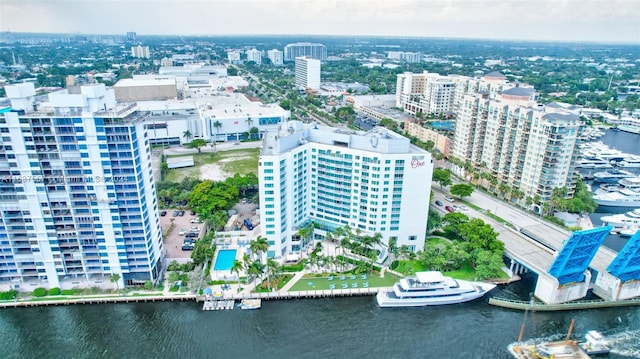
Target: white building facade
{"points": [[518, 142], [374, 182], [307, 72], [78, 199], [254, 55], [300, 49], [276, 56], [140, 52]]}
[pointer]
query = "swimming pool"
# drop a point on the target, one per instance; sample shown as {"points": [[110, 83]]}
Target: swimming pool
{"points": [[225, 259]]}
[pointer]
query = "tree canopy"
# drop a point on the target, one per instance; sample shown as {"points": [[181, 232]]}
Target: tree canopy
{"points": [[442, 176], [461, 190]]}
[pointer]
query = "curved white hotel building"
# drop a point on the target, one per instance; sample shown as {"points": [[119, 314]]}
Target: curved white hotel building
{"points": [[374, 182]]}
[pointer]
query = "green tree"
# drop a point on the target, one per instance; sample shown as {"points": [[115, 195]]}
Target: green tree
{"points": [[433, 220], [115, 278], [442, 176], [197, 143], [236, 268], [217, 126], [461, 190]]}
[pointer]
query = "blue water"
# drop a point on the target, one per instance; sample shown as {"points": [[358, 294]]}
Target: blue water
{"points": [[225, 259], [443, 125]]}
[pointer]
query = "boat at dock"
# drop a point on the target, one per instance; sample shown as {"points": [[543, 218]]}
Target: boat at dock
{"points": [[431, 288], [250, 304], [612, 176], [625, 194]]}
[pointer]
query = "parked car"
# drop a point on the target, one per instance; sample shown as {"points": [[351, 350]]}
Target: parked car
{"points": [[191, 235], [449, 209], [181, 213], [195, 220], [188, 241], [163, 213], [450, 199], [248, 224], [438, 203], [194, 229], [176, 213], [182, 232], [193, 213], [187, 247], [463, 207]]}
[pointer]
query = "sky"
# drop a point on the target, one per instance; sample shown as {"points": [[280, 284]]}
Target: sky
{"points": [[555, 20]]}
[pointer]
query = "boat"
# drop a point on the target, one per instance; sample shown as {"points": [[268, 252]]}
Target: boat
{"points": [[623, 220], [625, 194], [251, 304], [431, 288], [565, 349], [629, 162], [595, 344], [611, 176], [627, 233], [593, 162]]}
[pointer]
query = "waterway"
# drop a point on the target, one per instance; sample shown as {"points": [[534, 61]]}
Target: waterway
{"points": [[313, 328]]}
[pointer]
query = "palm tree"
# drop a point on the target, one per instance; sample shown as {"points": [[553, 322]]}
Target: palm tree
{"points": [[217, 126], [262, 245], [393, 249], [249, 121], [115, 278], [255, 269], [272, 267], [237, 267], [187, 135]]}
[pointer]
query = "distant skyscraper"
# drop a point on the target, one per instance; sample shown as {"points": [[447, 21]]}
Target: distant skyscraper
{"points": [[299, 49], [77, 200], [131, 36], [307, 73], [276, 56], [233, 57], [140, 51], [254, 55]]}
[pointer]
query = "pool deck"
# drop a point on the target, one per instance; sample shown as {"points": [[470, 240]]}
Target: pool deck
{"points": [[240, 245]]}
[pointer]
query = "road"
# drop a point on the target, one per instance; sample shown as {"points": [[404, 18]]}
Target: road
{"points": [[532, 254]]}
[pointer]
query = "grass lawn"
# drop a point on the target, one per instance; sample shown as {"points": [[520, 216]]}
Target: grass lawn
{"points": [[323, 283], [410, 267], [240, 161], [285, 278], [438, 241]]}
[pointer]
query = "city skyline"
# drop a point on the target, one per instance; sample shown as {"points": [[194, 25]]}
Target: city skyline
{"points": [[569, 20]]}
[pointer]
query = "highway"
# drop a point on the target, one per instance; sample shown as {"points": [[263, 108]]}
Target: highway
{"points": [[534, 255]]}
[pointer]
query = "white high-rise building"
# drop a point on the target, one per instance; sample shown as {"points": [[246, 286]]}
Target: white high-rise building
{"points": [[140, 51], [233, 57], [374, 182], [524, 146], [307, 73], [428, 93], [276, 56], [300, 49], [254, 55], [77, 200]]}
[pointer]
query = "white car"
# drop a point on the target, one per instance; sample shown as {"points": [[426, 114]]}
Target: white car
{"points": [[195, 220], [463, 207], [195, 229], [450, 199], [182, 232]]}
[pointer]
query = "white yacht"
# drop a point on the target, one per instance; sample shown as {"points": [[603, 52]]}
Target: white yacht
{"points": [[593, 162], [431, 288], [630, 162], [611, 176], [623, 220], [626, 194]]}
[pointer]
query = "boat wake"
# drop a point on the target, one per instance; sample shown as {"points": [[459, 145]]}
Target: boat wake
{"points": [[626, 343]]}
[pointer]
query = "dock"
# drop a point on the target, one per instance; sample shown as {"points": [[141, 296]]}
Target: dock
{"points": [[218, 305], [574, 305]]}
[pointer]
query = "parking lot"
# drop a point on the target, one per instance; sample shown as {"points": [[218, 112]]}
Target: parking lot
{"points": [[173, 240]]}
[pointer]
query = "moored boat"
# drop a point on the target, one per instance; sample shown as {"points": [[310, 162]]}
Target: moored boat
{"points": [[566, 349], [431, 288]]}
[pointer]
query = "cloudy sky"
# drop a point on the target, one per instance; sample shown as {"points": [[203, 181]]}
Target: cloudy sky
{"points": [[561, 20]]}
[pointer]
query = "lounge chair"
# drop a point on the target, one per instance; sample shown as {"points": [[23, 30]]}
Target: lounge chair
{"points": [[365, 285], [332, 286], [353, 277], [354, 285], [330, 277], [342, 277], [310, 284], [345, 286], [364, 276]]}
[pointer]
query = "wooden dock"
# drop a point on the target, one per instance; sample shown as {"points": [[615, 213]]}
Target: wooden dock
{"points": [[98, 300], [575, 305]]}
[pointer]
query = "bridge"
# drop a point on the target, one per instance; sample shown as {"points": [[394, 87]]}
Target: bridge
{"points": [[567, 263]]}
